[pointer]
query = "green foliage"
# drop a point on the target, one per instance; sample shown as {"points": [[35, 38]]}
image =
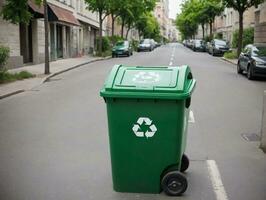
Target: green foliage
{"points": [[105, 44], [6, 77], [241, 5], [148, 26], [248, 37], [114, 39], [197, 12], [207, 38], [16, 11], [4, 55], [230, 55], [100, 6], [218, 36], [135, 44]]}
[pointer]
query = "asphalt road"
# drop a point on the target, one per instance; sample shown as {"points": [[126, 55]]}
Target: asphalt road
{"points": [[54, 139]]}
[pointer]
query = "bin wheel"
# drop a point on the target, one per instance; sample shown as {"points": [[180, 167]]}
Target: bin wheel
{"points": [[174, 183], [184, 163]]}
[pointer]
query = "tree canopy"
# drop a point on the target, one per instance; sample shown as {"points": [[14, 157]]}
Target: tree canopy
{"points": [[17, 12]]}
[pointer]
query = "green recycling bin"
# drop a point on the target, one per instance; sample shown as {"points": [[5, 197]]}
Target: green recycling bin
{"points": [[148, 110]]}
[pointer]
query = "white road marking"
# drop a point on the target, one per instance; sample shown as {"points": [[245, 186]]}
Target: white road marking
{"points": [[171, 63], [191, 117], [216, 180]]}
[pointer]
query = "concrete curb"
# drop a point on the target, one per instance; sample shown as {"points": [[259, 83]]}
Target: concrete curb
{"points": [[71, 68], [11, 93], [53, 75], [229, 61]]}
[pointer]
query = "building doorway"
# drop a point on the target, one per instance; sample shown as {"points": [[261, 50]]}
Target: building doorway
{"points": [[59, 41], [25, 36]]}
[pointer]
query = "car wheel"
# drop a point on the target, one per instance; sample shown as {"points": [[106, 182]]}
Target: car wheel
{"points": [[239, 70], [250, 73], [174, 183]]}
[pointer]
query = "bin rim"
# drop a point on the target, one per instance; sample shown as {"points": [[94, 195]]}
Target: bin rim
{"points": [[184, 84]]}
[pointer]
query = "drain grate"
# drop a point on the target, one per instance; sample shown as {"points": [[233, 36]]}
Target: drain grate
{"points": [[251, 137]]}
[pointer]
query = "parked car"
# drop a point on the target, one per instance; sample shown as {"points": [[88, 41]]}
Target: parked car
{"points": [[153, 43], [207, 47], [122, 48], [190, 43], [218, 47], [145, 45], [253, 61], [198, 45]]}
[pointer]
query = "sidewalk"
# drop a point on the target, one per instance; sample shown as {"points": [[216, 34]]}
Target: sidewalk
{"points": [[56, 67], [232, 61]]}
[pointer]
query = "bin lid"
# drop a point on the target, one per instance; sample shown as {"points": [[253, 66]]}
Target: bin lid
{"points": [[149, 82]]}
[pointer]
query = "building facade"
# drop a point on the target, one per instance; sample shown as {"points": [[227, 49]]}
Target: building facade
{"points": [[161, 13], [260, 24], [72, 33]]}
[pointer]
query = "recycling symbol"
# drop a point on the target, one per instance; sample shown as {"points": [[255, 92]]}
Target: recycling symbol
{"points": [[146, 77], [147, 122]]}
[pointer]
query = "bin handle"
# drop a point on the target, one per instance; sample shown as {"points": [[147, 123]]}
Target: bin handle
{"points": [[188, 102]]}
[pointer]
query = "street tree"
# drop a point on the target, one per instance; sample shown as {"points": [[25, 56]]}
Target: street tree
{"points": [[148, 26], [211, 9], [187, 21], [131, 11], [17, 12], [241, 6], [202, 16], [102, 7], [114, 11]]}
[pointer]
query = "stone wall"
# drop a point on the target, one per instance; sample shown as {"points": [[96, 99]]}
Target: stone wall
{"points": [[260, 33], [9, 37]]}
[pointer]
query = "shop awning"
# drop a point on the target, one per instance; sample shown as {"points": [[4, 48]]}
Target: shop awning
{"points": [[37, 10], [60, 14]]}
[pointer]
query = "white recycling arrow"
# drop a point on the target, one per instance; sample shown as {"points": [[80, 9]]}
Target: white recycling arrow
{"points": [[137, 129]]}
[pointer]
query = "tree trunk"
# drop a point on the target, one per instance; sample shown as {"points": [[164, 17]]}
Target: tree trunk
{"points": [[113, 24], [210, 30], [122, 28], [100, 46], [129, 27], [203, 31], [240, 34], [46, 38]]}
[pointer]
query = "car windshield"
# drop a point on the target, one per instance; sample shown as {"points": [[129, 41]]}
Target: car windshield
{"points": [[198, 41], [146, 41], [220, 42], [259, 51]]}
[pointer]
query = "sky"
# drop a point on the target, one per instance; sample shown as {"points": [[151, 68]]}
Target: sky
{"points": [[174, 8]]}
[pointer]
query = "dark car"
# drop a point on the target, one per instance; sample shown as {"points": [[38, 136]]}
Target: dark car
{"points": [[198, 45], [218, 47], [146, 45], [253, 61], [122, 48]]}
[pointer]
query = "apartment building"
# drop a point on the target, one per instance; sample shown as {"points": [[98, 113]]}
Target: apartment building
{"points": [[260, 24], [161, 13], [72, 33], [228, 22]]}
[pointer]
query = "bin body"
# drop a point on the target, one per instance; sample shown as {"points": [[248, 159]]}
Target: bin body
{"points": [[147, 130]]}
